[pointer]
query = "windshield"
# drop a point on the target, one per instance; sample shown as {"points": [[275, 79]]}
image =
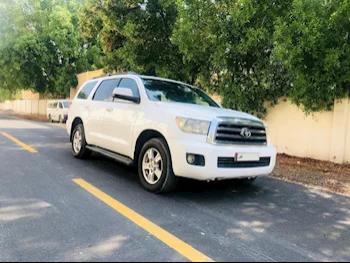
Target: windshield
{"points": [[66, 104], [166, 91]]}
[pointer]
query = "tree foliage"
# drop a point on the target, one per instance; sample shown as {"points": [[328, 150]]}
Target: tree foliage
{"points": [[135, 35], [5, 95], [313, 43], [232, 45], [40, 46], [248, 51]]}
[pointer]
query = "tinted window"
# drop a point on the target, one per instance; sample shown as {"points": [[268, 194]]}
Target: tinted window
{"points": [[166, 91], [55, 105], [86, 90], [132, 85], [105, 90]]}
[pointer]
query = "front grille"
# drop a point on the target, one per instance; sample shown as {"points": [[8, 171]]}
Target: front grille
{"points": [[231, 133], [229, 162]]}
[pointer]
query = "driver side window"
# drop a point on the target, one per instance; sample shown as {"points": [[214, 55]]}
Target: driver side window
{"points": [[132, 85]]}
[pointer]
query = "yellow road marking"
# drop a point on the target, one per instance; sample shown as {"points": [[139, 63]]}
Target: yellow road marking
{"points": [[23, 145], [170, 240]]}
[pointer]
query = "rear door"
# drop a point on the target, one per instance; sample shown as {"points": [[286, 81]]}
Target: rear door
{"points": [[82, 105]]}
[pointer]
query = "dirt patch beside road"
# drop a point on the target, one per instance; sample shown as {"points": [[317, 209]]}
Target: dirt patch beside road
{"points": [[36, 118], [327, 176], [31, 117]]}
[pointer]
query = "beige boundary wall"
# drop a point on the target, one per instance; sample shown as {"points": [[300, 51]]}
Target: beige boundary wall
{"points": [[323, 136], [35, 107]]}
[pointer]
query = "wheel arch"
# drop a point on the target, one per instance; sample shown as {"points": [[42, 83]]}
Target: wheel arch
{"points": [[76, 122], [144, 137]]}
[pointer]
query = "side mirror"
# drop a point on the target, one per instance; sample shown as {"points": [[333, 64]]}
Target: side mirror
{"points": [[125, 94]]}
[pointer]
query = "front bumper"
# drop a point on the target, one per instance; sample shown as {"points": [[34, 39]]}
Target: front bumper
{"points": [[212, 153], [69, 126]]}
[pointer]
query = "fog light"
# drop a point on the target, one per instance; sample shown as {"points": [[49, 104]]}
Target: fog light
{"points": [[195, 159], [191, 158]]}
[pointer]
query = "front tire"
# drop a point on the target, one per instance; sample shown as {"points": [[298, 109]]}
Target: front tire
{"points": [[60, 120], [155, 167], [79, 149]]}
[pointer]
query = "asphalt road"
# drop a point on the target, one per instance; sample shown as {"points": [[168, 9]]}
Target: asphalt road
{"points": [[45, 216]]}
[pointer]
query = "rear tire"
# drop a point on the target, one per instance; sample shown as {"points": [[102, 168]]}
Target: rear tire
{"points": [[60, 120], [155, 167], [50, 118], [79, 144]]}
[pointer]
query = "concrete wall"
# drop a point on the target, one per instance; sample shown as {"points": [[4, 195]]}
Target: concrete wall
{"points": [[295, 134], [26, 106], [35, 106], [82, 78], [29, 95], [42, 107], [323, 136]]}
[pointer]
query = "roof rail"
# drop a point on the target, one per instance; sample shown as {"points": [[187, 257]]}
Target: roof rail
{"points": [[117, 74]]}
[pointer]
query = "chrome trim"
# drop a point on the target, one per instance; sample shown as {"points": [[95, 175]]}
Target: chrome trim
{"points": [[212, 130], [239, 121]]}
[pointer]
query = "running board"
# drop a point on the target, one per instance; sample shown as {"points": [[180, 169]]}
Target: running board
{"points": [[115, 156]]}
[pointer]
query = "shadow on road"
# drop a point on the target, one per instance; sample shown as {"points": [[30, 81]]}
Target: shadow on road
{"points": [[308, 222], [270, 220]]}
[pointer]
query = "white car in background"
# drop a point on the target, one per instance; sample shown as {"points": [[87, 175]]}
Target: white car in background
{"points": [[168, 129], [58, 111]]}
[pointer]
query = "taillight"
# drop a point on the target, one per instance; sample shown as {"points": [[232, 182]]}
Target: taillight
{"points": [[70, 105]]}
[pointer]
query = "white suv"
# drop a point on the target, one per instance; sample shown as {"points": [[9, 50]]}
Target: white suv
{"points": [[167, 129], [57, 111]]}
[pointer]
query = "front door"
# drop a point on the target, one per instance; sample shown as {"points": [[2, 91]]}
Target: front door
{"points": [[120, 118]]}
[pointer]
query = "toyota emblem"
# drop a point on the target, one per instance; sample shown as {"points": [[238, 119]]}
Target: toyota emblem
{"points": [[246, 133]]}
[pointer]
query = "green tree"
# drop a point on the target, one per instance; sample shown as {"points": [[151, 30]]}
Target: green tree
{"points": [[313, 43], [232, 47], [196, 34], [135, 35], [4, 95], [40, 46]]}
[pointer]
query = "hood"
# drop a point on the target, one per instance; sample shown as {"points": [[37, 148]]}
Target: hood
{"points": [[201, 112]]}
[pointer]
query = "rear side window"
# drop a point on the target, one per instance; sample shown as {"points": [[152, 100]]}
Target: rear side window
{"points": [[86, 90], [55, 105], [105, 90], [61, 106]]}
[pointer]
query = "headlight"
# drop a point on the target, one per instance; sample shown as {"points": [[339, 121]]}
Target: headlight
{"points": [[193, 126]]}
